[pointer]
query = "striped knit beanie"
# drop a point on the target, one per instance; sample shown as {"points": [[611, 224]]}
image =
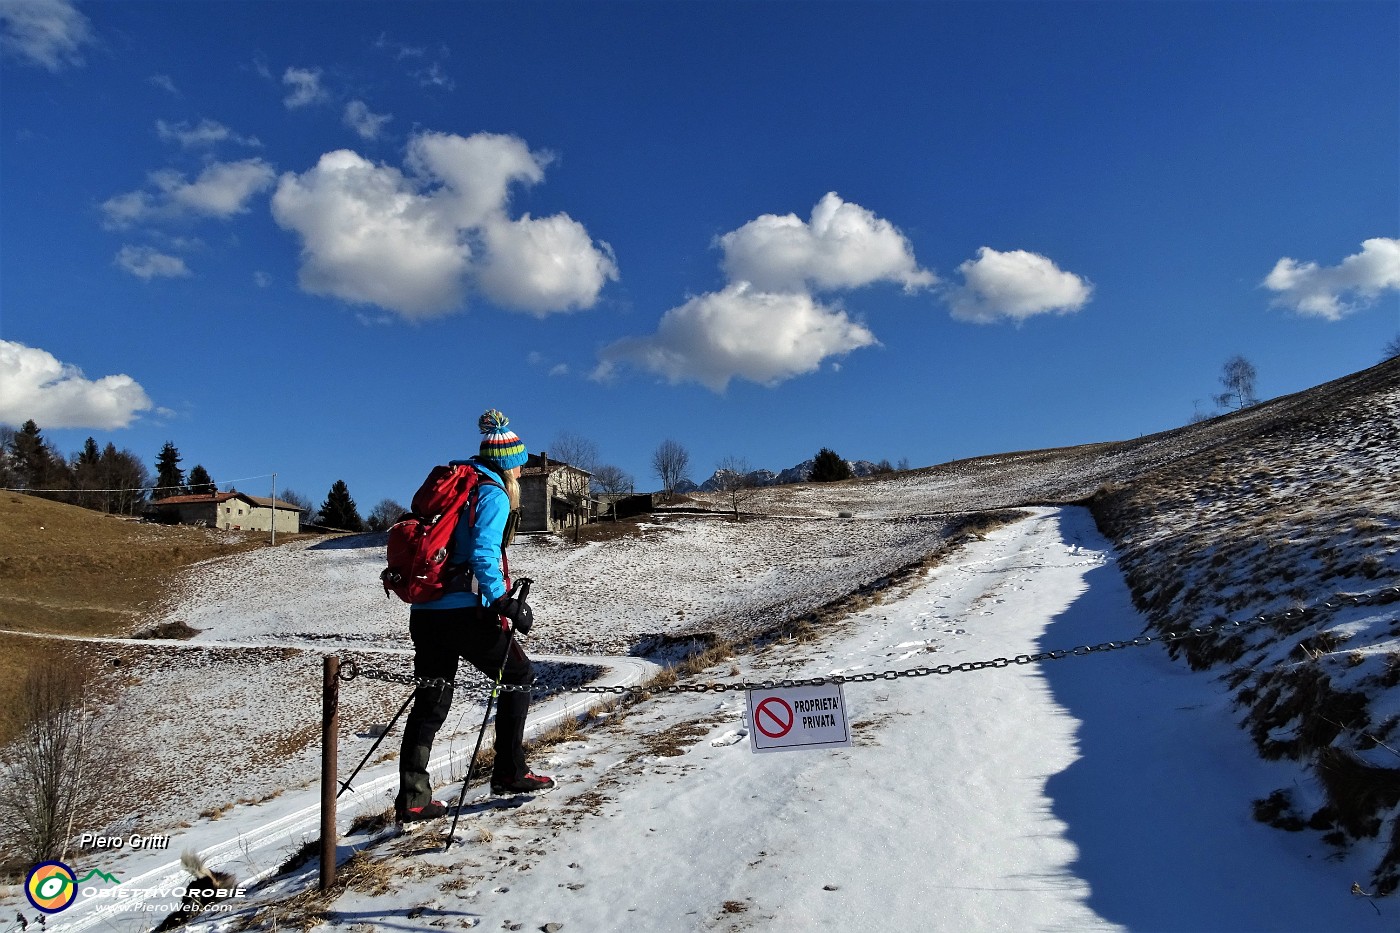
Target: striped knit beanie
{"points": [[500, 446]]}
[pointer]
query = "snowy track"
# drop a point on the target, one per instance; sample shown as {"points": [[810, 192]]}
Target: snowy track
{"points": [[278, 829], [1094, 793], [1106, 792]]}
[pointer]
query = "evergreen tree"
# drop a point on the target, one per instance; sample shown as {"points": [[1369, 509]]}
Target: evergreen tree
{"points": [[126, 477], [36, 464], [87, 476], [201, 483], [89, 455], [339, 511], [828, 467], [170, 479]]}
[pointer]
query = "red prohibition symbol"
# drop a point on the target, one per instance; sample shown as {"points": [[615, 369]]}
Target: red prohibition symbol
{"points": [[773, 717]]}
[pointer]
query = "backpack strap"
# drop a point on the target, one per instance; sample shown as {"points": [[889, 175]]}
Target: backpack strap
{"points": [[458, 577]]}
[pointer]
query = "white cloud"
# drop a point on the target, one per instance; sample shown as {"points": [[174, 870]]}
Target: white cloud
{"points": [[304, 87], [165, 83], [221, 190], [435, 76], [543, 264], [476, 171], [842, 246], [206, 133], [47, 33], [399, 49], [416, 242], [1015, 285], [359, 118], [1323, 291], [369, 237], [765, 325], [35, 385], [261, 279], [146, 262], [740, 332]]}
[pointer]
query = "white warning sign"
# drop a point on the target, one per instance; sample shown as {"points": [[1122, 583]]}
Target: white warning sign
{"points": [[786, 718]]}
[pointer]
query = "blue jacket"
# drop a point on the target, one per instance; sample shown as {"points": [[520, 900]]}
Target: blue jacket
{"points": [[479, 544]]}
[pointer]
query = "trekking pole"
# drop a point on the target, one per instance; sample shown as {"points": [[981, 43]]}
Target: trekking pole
{"points": [[523, 587], [345, 785]]}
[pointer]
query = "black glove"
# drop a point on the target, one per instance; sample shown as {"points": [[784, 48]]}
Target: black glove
{"points": [[517, 610], [526, 619]]}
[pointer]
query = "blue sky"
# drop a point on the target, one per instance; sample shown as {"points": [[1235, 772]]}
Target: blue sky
{"points": [[318, 239]]}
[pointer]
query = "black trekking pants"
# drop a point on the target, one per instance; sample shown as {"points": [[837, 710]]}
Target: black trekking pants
{"points": [[440, 638]]}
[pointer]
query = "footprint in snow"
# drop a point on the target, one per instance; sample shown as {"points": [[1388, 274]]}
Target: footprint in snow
{"points": [[732, 737]]}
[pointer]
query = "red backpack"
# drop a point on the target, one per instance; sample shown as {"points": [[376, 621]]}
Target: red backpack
{"points": [[421, 542]]}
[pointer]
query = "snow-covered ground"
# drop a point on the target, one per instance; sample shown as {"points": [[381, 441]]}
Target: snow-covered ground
{"points": [[1112, 790], [1108, 791]]}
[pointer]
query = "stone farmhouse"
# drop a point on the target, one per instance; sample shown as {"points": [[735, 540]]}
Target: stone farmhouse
{"points": [[228, 510], [552, 493]]}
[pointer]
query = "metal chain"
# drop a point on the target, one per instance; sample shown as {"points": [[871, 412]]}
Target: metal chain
{"points": [[350, 671]]}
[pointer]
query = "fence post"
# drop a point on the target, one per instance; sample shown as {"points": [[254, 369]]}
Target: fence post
{"points": [[330, 729]]}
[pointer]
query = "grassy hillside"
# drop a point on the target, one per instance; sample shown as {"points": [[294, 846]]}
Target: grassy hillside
{"points": [[71, 571], [1291, 515]]}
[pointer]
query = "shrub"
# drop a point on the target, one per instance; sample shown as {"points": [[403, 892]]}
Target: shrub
{"points": [[46, 782]]}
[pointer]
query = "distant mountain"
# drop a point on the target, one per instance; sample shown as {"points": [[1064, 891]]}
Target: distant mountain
{"points": [[796, 474]]}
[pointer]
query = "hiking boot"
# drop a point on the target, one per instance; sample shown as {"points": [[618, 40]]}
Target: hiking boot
{"points": [[528, 784], [428, 811]]}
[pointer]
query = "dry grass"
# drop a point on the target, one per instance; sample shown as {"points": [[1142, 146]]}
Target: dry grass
{"points": [[1285, 511], [675, 740], [308, 909], [65, 570], [72, 571]]}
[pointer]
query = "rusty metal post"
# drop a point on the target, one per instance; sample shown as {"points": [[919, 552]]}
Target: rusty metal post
{"points": [[330, 730]]}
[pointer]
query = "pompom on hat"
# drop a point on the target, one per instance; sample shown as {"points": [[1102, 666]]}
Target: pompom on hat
{"points": [[500, 446]]}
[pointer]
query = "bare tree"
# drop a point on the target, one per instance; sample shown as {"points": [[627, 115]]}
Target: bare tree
{"points": [[736, 481], [575, 450], [383, 515], [305, 508], [1392, 349], [612, 482], [575, 488], [1237, 376], [670, 462], [9, 477], [49, 777]]}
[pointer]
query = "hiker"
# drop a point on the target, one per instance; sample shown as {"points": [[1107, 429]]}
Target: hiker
{"points": [[475, 619]]}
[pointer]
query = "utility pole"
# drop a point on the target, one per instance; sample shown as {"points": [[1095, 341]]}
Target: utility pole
{"points": [[274, 509]]}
